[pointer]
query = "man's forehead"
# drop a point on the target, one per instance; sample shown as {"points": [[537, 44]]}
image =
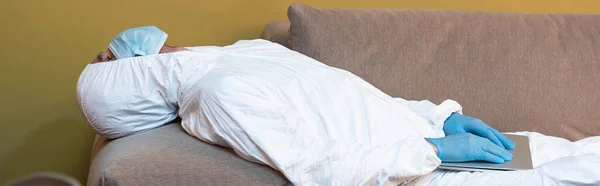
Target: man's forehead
{"points": [[103, 56], [99, 56]]}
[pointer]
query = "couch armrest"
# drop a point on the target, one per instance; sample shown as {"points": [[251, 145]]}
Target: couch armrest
{"points": [[278, 32]]}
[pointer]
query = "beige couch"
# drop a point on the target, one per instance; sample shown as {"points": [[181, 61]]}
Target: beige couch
{"points": [[517, 72]]}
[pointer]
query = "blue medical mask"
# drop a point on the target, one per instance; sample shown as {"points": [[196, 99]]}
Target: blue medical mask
{"points": [[146, 40]]}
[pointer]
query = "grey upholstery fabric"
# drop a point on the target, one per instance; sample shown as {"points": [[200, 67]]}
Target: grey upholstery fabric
{"points": [[517, 72], [168, 156], [278, 32]]}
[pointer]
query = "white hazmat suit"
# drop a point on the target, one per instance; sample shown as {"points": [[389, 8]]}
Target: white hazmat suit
{"points": [[316, 124]]}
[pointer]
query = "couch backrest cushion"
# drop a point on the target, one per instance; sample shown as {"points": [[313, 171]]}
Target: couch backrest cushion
{"points": [[515, 71]]}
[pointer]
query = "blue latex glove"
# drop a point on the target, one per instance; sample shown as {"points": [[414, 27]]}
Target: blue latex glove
{"points": [[460, 124], [469, 147]]}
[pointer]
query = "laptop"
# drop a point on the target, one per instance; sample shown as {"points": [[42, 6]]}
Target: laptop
{"points": [[521, 159]]}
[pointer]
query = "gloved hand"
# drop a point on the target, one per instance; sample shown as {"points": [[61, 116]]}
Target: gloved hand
{"points": [[460, 124], [469, 147]]}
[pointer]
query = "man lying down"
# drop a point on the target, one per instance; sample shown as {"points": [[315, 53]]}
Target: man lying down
{"points": [[316, 124]]}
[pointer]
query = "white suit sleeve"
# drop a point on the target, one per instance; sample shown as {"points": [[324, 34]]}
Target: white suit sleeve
{"points": [[436, 114], [261, 129]]}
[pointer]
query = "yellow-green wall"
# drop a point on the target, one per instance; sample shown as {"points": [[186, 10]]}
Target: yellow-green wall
{"points": [[45, 44]]}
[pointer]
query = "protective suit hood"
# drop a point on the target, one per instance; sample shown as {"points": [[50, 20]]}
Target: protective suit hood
{"points": [[130, 95]]}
